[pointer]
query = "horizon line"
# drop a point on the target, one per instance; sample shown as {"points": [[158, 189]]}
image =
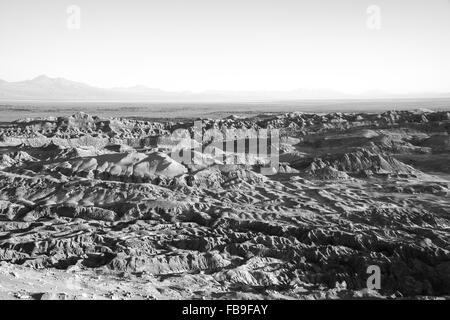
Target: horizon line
{"points": [[345, 95]]}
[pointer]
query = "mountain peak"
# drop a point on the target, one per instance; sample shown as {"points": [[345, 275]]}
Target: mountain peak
{"points": [[46, 81], [45, 78], [41, 77]]}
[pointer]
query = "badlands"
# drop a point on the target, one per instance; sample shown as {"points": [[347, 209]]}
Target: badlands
{"points": [[113, 208]]}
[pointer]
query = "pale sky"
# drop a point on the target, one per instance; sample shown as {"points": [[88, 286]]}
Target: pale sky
{"points": [[201, 45]]}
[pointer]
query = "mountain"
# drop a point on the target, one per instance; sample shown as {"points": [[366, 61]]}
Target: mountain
{"points": [[44, 88], [48, 89]]}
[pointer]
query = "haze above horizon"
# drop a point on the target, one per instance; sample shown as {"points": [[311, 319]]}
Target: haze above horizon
{"points": [[204, 45]]}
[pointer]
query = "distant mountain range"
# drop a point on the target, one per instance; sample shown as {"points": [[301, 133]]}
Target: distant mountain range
{"points": [[44, 88]]}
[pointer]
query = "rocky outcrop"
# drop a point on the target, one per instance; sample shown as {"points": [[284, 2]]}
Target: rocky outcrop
{"points": [[114, 196], [363, 161]]}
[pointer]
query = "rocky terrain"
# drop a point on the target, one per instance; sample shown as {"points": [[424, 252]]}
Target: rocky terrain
{"points": [[101, 208]]}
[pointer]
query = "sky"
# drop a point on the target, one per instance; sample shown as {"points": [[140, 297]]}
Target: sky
{"points": [[198, 45]]}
